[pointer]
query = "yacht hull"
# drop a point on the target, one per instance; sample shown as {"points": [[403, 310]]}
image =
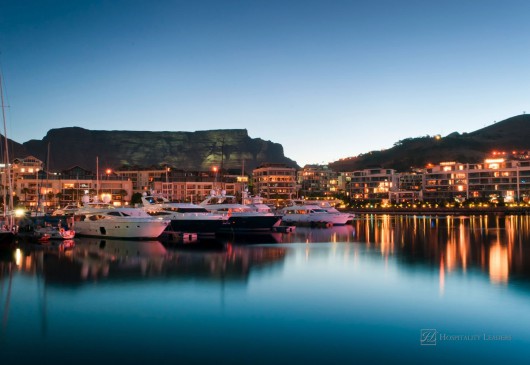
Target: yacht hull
{"points": [[132, 229], [250, 223], [198, 225]]}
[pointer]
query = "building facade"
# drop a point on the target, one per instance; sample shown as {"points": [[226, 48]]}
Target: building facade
{"points": [[317, 180], [40, 190], [372, 184], [275, 182]]}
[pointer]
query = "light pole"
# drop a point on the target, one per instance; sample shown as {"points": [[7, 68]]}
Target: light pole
{"points": [[215, 176], [517, 175]]}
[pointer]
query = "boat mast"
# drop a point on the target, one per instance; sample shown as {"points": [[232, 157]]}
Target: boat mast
{"points": [[6, 154], [97, 176]]}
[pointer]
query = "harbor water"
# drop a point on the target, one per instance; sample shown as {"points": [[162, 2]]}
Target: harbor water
{"points": [[385, 289]]}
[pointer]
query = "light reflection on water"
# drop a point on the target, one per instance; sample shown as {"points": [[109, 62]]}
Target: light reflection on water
{"points": [[360, 292]]}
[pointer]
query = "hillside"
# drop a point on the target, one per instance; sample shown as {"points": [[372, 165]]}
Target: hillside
{"points": [[507, 135], [185, 150]]}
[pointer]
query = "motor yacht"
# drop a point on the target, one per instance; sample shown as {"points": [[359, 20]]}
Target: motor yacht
{"points": [[323, 204], [241, 218], [312, 214], [185, 217], [117, 222]]}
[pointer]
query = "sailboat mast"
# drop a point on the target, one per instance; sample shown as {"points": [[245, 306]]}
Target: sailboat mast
{"points": [[6, 152], [97, 176]]}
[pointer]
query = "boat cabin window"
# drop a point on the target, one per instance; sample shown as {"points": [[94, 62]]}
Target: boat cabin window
{"points": [[186, 210], [118, 214], [192, 210], [157, 213]]}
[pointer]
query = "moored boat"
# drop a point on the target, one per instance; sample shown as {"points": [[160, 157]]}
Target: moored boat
{"points": [[115, 222], [312, 215], [323, 204], [57, 233], [241, 218], [185, 217]]}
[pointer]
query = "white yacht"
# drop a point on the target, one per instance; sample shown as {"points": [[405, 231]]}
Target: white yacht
{"points": [[312, 214], [241, 218], [256, 204], [100, 220], [324, 204], [185, 217]]}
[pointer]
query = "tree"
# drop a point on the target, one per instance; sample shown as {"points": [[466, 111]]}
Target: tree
{"points": [[136, 199]]}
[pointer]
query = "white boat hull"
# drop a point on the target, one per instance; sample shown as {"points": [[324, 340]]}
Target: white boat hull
{"points": [[131, 229]]}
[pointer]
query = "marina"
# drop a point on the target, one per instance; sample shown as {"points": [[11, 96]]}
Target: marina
{"points": [[317, 295]]}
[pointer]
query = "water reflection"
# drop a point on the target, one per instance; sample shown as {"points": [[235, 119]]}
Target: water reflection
{"points": [[93, 260], [314, 235], [497, 245], [325, 295]]}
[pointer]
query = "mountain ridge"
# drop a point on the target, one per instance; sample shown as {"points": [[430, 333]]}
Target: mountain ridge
{"points": [[506, 135], [200, 150]]}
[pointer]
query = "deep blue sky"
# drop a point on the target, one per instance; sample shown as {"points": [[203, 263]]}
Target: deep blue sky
{"points": [[326, 79]]}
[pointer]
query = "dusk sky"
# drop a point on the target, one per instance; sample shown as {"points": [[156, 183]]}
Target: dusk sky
{"points": [[326, 79]]}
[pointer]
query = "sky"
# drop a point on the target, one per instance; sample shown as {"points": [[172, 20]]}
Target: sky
{"points": [[327, 79]]}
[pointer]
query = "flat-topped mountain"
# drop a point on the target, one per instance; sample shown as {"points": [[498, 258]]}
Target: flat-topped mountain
{"points": [[204, 149], [199, 150], [508, 135]]}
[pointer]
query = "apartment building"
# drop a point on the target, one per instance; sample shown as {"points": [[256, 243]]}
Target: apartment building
{"points": [[494, 179], [275, 182], [372, 184], [39, 189], [317, 180]]}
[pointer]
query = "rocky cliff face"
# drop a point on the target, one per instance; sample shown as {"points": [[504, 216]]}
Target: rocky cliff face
{"points": [[183, 150]]}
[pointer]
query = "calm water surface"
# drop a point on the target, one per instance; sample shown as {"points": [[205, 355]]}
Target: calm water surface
{"points": [[384, 289]]}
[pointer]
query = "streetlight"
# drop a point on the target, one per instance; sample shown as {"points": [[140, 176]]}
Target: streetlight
{"points": [[215, 175]]}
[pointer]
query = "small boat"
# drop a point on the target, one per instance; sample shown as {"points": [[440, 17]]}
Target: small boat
{"points": [[57, 233]]}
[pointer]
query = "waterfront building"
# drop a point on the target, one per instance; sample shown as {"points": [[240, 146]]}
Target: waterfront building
{"points": [[275, 182], [184, 186], [409, 187], [40, 190], [143, 178], [496, 179], [317, 181], [372, 184]]}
